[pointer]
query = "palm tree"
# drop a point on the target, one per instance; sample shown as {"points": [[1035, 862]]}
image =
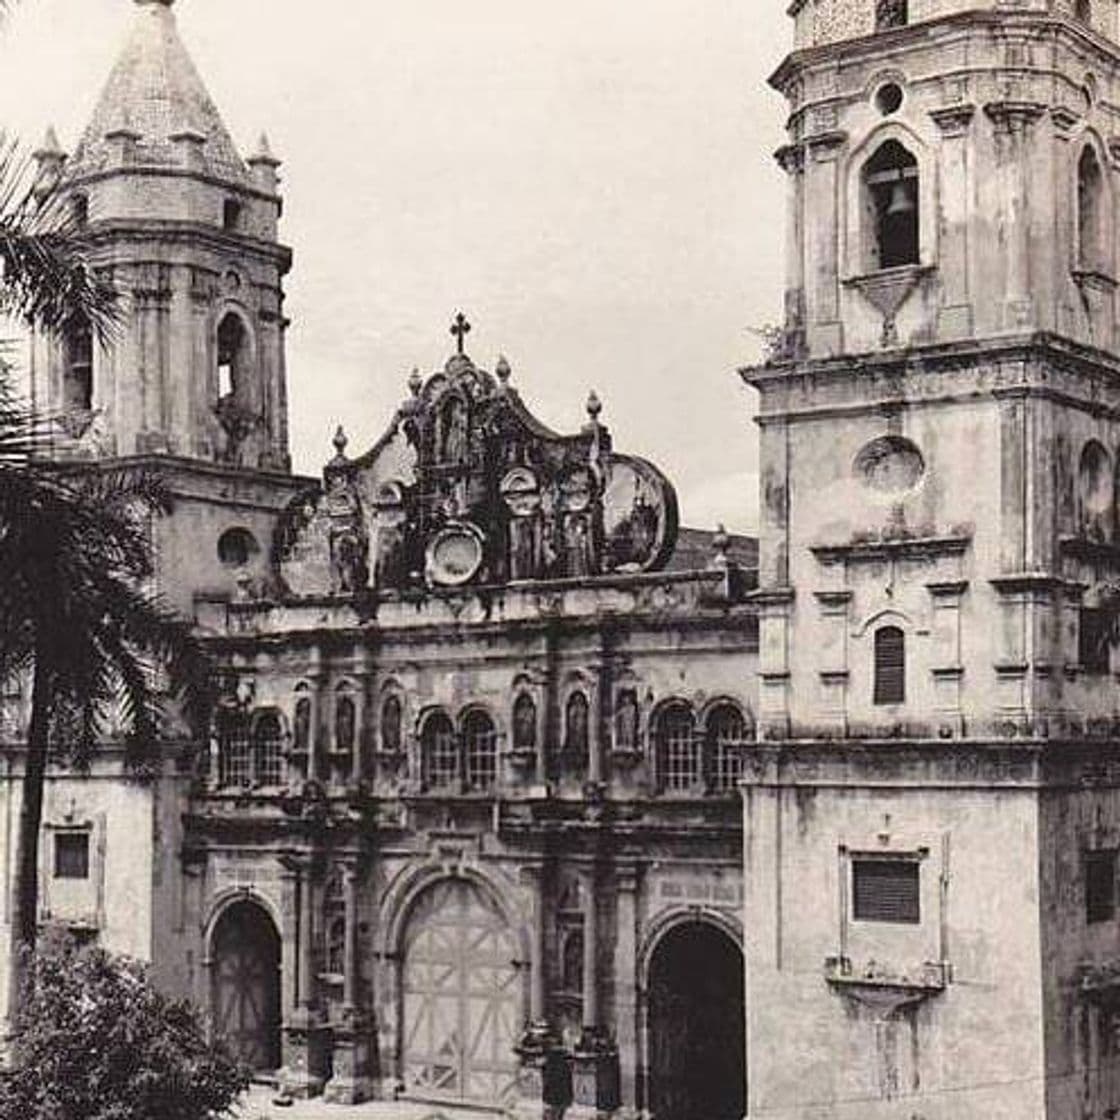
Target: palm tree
{"points": [[101, 651]]}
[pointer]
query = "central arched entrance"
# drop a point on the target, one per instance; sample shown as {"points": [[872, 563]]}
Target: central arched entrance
{"points": [[460, 994], [697, 1044], [245, 990]]}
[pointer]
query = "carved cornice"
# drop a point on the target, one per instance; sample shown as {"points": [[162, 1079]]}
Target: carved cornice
{"points": [[953, 120], [870, 551], [1013, 117]]}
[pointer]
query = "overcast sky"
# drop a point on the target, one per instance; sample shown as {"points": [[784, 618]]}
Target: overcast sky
{"points": [[591, 182]]}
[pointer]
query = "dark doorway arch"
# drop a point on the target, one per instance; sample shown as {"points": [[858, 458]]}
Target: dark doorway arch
{"points": [[245, 989], [697, 1029]]}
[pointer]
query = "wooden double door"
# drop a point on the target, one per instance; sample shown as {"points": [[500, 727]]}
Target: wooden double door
{"points": [[460, 995], [245, 985]]}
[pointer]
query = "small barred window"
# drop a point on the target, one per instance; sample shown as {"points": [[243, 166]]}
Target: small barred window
{"points": [[890, 665], [440, 752], [1100, 886], [886, 890]]}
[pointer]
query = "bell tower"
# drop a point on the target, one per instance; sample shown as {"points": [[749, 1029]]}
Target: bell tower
{"points": [[940, 569], [187, 229]]}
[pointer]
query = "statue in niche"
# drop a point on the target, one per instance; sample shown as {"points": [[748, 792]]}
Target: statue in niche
{"points": [[626, 721], [348, 562], [575, 729], [390, 564], [525, 724], [391, 725], [643, 521], [344, 725], [302, 728], [577, 546], [455, 432], [523, 501]]}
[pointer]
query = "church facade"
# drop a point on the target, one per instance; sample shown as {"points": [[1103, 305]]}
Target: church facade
{"points": [[467, 828], [521, 796]]}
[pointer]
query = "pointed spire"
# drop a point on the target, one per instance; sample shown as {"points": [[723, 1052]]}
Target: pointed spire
{"points": [[263, 165], [49, 158], [50, 147], [154, 95], [264, 153]]}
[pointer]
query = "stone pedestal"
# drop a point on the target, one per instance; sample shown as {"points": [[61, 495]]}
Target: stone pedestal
{"points": [[595, 1077], [306, 1050], [541, 1079], [354, 1061]]}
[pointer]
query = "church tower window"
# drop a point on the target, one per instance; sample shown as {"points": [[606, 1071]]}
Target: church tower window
{"points": [[891, 203], [890, 665], [1083, 10], [891, 13], [231, 215], [480, 742], [79, 210], [233, 356], [1090, 212], [440, 753], [78, 345], [678, 749], [234, 759]]}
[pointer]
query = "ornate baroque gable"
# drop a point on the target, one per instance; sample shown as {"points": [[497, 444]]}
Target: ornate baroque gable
{"points": [[467, 487]]}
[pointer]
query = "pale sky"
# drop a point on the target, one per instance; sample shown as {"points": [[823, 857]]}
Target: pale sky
{"points": [[591, 182]]}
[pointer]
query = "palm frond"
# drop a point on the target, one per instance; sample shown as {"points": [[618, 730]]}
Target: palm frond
{"points": [[46, 276]]}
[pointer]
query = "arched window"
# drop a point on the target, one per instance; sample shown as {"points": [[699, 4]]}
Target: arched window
{"points": [[575, 728], [391, 725], [1083, 10], [1094, 484], [891, 13], [237, 547], [524, 724], [78, 370], [678, 748], [268, 761], [440, 752], [481, 748], [726, 730], [234, 750], [890, 665], [231, 215], [233, 356], [891, 204], [1090, 212]]}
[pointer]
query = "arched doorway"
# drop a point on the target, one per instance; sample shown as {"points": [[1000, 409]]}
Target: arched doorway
{"points": [[245, 992], [461, 1005], [697, 1045]]}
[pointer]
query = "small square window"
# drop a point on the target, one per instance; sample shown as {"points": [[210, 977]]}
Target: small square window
{"points": [[886, 890], [71, 855], [231, 214], [1100, 886]]}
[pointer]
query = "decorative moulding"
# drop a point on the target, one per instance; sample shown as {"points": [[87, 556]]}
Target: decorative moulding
{"points": [[882, 992], [887, 290], [874, 550]]}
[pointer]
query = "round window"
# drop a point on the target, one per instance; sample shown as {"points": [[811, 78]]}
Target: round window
{"points": [[888, 98], [237, 547]]}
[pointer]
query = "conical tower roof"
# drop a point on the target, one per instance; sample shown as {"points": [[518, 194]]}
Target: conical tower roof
{"points": [[155, 93]]}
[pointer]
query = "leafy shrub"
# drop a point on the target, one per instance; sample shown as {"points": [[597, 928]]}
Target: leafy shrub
{"points": [[97, 1041]]}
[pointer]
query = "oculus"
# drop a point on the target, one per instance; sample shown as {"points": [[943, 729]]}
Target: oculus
{"points": [[890, 465]]}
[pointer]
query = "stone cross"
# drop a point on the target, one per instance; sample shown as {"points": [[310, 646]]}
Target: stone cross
{"points": [[460, 329]]}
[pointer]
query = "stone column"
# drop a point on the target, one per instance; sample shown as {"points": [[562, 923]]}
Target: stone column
{"points": [[1012, 121], [305, 1034], [954, 317], [352, 1080], [595, 1069], [626, 987], [791, 158], [820, 216], [538, 1080]]}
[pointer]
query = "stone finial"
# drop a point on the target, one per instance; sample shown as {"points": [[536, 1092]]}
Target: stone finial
{"points": [[721, 545], [502, 369], [594, 406], [415, 382], [340, 441], [50, 149], [264, 153], [49, 158], [263, 164]]}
